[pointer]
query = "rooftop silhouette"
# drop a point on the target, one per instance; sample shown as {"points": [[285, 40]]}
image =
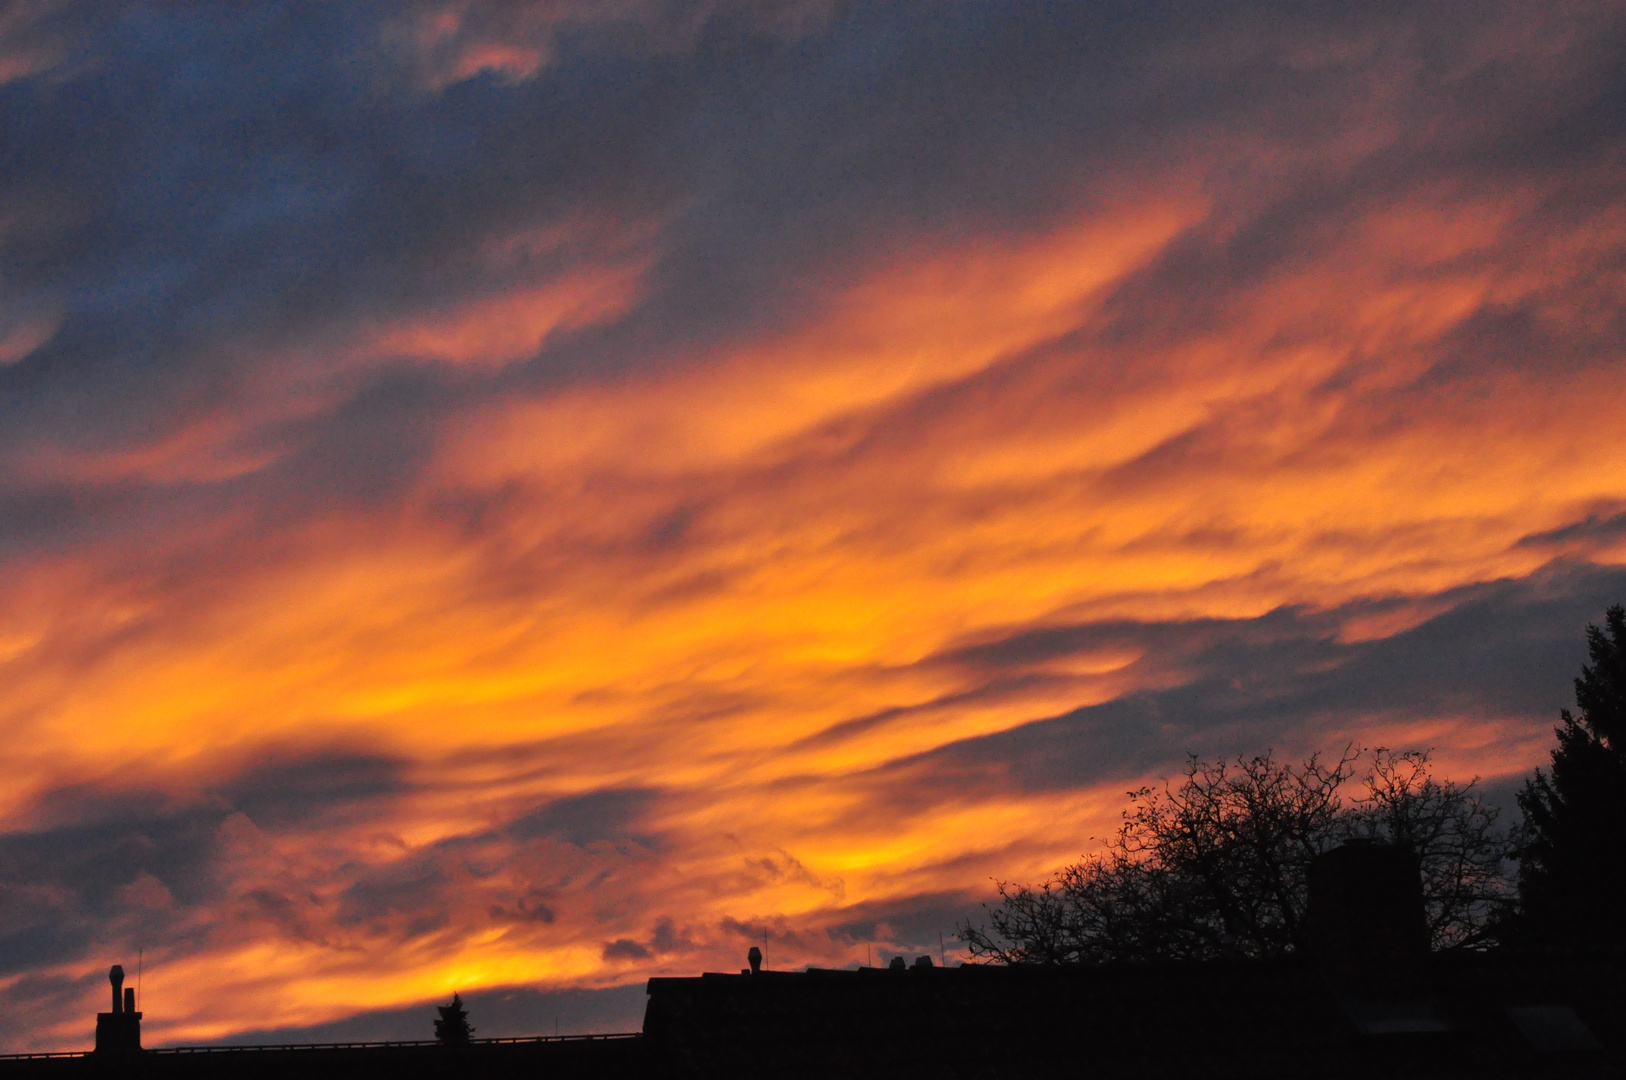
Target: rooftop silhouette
{"points": [[1367, 999], [118, 1031]]}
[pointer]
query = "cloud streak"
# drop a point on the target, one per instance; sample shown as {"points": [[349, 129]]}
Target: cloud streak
{"points": [[519, 498]]}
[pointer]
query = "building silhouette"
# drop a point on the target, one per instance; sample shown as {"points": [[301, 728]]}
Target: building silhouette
{"points": [[1368, 1000], [119, 1031]]}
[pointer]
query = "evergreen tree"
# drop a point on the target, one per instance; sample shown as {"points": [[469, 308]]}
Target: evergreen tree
{"points": [[1572, 873], [453, 1028]]}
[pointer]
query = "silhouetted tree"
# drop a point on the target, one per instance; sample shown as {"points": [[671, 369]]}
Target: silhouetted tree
{"points": [[453, 1027], [1572, 850], [1463, 853], [1217, 865]]}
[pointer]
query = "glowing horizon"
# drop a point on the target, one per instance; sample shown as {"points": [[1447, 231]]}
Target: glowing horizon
{"points": [[559, 492]]}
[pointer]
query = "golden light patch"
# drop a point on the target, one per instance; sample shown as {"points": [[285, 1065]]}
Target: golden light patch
{"points": [[736, 598]]}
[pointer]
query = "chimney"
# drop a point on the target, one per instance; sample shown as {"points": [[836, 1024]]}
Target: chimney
{"points": [[119, 1031], [1365, 921]]}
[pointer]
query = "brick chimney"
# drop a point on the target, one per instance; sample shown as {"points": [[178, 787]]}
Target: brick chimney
{"points": [[119, 1031], [1365, 920]]}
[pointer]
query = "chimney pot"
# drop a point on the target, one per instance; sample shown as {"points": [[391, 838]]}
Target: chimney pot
{"points": [[118, 1031]]}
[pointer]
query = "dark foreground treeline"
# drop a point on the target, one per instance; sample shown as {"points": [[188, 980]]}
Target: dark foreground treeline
{"points": [[1217, 865], [612, 1058]]}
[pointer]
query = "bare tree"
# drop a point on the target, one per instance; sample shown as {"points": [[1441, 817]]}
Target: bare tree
{"points": [[1463, 852], [1217, 865]]}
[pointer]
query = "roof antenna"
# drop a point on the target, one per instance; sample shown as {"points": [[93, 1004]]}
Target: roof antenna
{"points": [[139, 950], [941, 956]]}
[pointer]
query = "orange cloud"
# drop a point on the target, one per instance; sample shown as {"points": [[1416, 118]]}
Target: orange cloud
{"points": [[696, 645], [512, 326]]}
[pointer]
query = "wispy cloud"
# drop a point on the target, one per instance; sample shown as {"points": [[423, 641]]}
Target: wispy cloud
{"points": [[525, 497]]}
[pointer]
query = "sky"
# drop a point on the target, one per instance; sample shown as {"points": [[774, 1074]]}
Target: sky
{"points": [[518, 498]]}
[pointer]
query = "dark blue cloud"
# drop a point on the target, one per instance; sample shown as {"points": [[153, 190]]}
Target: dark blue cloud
{"points": [[583, 820], [1504, 649], [203, 184], [307, 789], [104, 862]]}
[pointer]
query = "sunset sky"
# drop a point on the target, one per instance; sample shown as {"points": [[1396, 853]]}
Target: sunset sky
{"points": [[518, 498]]}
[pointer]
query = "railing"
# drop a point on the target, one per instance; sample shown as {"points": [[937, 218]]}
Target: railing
{"points": [[399, 1043]]}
